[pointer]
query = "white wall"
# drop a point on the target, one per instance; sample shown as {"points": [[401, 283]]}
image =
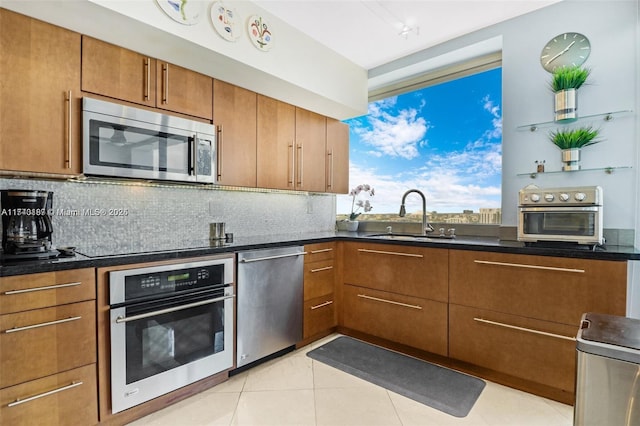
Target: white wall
{"points": [[297, 69]]}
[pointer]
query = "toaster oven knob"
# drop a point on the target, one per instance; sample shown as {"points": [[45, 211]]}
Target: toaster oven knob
{"points": [[535, 198], [549, 197], [564, 197], [580, 196]]}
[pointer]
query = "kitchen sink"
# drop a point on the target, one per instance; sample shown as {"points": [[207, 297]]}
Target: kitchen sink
{"points": [[412, 237]]}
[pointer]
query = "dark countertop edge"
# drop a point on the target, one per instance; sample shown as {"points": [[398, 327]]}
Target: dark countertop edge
{"points": [[617, 253]]}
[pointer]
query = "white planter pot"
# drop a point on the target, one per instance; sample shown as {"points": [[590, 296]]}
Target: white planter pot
{"points": [[352, 225]]}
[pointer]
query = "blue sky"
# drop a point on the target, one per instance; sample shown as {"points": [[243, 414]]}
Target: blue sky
{"points": [[445, 140]]}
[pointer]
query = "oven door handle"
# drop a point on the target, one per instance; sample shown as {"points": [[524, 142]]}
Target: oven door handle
{"points": [[122, 319]]}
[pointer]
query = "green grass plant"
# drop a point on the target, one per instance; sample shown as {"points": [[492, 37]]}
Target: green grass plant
{"points": [[575, 138], [569, 77]]}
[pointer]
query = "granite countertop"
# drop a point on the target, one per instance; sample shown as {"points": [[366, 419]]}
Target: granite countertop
{"points": [[122, 254]]}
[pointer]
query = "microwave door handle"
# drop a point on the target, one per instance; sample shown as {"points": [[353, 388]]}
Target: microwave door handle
{"points": [[192, 154]]}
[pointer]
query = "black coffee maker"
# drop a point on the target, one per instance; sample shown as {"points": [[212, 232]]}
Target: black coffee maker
{"points": [[26, 223]]}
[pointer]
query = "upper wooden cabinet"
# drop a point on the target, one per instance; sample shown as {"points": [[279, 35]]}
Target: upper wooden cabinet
{"points": [[276, 143], [234, 112], [337, 157], [120, 73], [310, 151], [40, 93]]}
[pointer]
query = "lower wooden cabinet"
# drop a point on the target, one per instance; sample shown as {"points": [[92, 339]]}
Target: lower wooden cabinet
{"points": [[412, 321], [537, 351], [319, 315], [69, 398]]}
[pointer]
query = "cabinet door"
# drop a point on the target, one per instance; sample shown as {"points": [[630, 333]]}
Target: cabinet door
{"points": [[184, 91], [319, 278], [413, 271], [337, 156], [118, 73], [234, 112], [276, 143], [310, 151], [411, 321], [548, 288], [319, 315], [40, 92], [69, 398]]}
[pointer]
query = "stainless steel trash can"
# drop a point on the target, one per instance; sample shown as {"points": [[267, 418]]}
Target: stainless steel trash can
{"points": [[608, 371]]}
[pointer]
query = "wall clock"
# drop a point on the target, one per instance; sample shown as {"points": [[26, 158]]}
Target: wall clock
{"points": [[565, 49]]}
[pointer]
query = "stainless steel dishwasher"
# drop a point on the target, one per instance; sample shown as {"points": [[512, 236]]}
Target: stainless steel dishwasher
{"points": [[269, 297]]}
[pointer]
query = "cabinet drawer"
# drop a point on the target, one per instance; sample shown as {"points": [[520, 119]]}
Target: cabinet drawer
{"points": [[539, 351], [320, 251], [413, 271], [415, 322], [319, 278], [46, 341], [68, 399], [33, 291], [548, 288], [319, 315]]}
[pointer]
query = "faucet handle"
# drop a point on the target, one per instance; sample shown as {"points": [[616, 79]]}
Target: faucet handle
{"points": [[428, 228], [389, 231]]}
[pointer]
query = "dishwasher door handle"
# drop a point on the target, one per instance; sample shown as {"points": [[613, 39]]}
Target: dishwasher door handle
{"points": [[279, 256]]}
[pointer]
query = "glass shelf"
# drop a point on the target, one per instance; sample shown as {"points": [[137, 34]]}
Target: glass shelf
{"points": [[607, 170], [606, 116]]}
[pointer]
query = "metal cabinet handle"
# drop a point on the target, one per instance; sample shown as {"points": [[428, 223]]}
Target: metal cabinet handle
{"points": [[377, 299], [321, 250], [395, 253], [521, 265], [279, 256], [42, 324], [327, 303], [69, 129], [528, 330], [19, 401], [292, 176], [165, 89], [300, 164], [49, 287], [330, 177], [326, 268], [147, 78], [122, 319], [219, 152]]}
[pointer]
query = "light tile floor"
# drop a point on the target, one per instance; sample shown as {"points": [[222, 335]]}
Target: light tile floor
{"points": [[296, 390]]}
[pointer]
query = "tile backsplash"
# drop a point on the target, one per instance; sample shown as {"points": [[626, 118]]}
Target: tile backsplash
{"points": [[101, 213]]}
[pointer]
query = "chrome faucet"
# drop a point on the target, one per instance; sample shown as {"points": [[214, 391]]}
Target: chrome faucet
{"points": [[425, 226]]}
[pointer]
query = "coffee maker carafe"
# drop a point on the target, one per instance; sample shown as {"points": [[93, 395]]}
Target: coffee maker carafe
{"points": [[26, 223]]}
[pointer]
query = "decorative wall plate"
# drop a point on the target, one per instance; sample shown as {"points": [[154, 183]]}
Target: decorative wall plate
{"points": [[226, 21], [260, 33], [186, 12]]}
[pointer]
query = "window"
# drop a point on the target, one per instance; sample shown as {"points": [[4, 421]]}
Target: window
{"points": [[444, 139]]}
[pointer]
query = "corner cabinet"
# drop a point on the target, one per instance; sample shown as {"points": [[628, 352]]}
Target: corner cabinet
{"points": [[40, 93], [518, 314], [320, 313], [398, 293], [48, 349], [337, 157]]}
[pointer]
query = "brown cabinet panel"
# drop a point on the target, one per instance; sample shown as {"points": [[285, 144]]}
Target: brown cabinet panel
{"points": [[337, 156], [319, 315], [319, 278], [320, 251], [411, 321], [234, 112], [310, 151], [68, 398], [45, 341], [33, 291], [118, 73], [40, 92], [521, 352], [276, 133], [414, 271], [542, 287], [184, 91]]}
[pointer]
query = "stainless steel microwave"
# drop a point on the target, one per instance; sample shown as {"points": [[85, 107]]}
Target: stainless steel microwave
{"points": [[126, 142]]}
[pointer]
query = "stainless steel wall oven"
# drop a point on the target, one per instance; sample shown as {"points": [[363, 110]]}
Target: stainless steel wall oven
{"points": [[170, 325]]}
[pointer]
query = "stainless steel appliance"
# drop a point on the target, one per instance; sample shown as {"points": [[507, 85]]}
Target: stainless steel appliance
{"points": [[269, 302], [126, 142], [171, 325], [26, 224], [608, 372], [570, 215]]}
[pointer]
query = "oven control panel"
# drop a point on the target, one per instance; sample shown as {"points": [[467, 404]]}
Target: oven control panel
{"points": [[585, 195]]}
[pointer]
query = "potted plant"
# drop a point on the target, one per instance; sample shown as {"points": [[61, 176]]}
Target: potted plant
{"points": [[570, 142], [565, 82], [358, 203]]}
